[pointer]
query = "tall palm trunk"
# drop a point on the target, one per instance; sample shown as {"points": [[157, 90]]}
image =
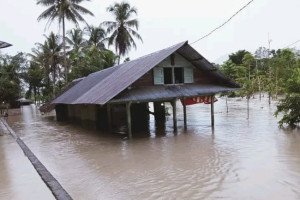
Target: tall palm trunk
{"points": [[54, 79], [64, 44], [248, 98]]}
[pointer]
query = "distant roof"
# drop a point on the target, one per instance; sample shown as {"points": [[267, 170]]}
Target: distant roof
{"points": [[4, 45], [101, 87], [23, 100]]}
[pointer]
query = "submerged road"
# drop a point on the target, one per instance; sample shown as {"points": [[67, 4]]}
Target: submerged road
{"points": [[57, 190]]}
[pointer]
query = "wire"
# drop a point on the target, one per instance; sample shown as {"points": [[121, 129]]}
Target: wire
{"points": [[291, 44], [223, 23]]}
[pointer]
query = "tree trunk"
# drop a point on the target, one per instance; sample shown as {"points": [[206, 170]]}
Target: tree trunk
{"points": [[258, 78], [34, 91], [248, 98], [119, 59], [54, 77], [276, 82], [259, 89], [226, 104], [64, 46]]}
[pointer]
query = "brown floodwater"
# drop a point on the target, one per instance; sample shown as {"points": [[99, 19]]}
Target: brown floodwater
{"points": [[241, 159]]}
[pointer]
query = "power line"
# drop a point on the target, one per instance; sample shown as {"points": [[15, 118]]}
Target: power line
{"points": [[223, 23], [291, 44]]}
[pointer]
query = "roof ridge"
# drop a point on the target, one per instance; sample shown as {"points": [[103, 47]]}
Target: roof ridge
{"points": [[148, 55]]}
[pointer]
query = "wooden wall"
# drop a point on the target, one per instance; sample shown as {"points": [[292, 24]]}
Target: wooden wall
{"points": [[145, 80], [200, 77]]}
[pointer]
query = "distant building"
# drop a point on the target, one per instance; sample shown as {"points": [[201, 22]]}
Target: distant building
{"points": [[23, 102], [123, 92]]}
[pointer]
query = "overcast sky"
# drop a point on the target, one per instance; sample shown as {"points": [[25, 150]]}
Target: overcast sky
{"points": [[167, 22]]}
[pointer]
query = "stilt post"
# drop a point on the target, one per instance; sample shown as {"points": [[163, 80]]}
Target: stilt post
{"points": [[128, 113], [212, 98], [184, 113], [174, 114], [109, 117]]}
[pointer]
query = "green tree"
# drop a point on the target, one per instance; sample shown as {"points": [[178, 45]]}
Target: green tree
{"points": [[123, 28], [10, 77], [97, 37], [48, 55], [75, 40], [63, 10], [290, 106], [33, 77], [237, 58]]}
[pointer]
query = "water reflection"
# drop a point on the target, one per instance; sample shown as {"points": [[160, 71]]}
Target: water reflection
{"points": [[239, 159]]}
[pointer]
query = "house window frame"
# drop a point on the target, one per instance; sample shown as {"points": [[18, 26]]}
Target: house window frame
{"points": [[187, 71]]}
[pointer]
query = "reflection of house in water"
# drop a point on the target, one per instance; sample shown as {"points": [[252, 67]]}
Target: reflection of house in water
{"points": [[121, 94]]}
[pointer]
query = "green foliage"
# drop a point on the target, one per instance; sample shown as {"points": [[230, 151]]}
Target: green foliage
{"points": [[10, 74], [237, 58], [122, 29], [289, 107]]}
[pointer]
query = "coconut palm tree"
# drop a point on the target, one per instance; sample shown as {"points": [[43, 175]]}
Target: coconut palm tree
{"points": [[97, 37], [63, 10], [123, 29], [49, 56], [76, 40]]}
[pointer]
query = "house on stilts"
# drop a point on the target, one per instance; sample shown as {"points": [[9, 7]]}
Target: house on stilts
{"points": [[124, 91]]}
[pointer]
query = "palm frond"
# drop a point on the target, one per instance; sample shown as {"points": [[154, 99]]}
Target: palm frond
{"points": [[135, 34], [132, 23], [47, 13], [45, 2], [81, 9]]}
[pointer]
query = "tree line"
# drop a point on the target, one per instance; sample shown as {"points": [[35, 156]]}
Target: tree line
{"points": [[270, 72], [74, 53]]}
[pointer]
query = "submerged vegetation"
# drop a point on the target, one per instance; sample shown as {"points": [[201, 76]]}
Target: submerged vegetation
{"points": [[43, 73], [268, 71]]}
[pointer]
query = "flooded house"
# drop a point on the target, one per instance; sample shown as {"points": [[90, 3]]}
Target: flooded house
{"points": [[121, 94]]}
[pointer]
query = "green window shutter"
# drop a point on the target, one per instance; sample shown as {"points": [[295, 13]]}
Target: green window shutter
{"points": [[188, 75], [158, 75]]}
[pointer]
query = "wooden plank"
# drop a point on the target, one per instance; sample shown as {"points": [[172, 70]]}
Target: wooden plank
{"points": [[128, 114], [109, 117], [174, 114]]}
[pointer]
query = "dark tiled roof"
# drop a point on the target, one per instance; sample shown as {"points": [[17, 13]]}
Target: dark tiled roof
{"points": [[154, 93], [101, 87], [4, 45]]}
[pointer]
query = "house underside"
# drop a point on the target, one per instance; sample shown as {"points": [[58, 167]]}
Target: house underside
{"points": [[121, 93]]}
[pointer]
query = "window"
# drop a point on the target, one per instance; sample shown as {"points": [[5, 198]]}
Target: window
{"points": [[178, 73], [168, 75], [188, 75], [164, 75]]}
